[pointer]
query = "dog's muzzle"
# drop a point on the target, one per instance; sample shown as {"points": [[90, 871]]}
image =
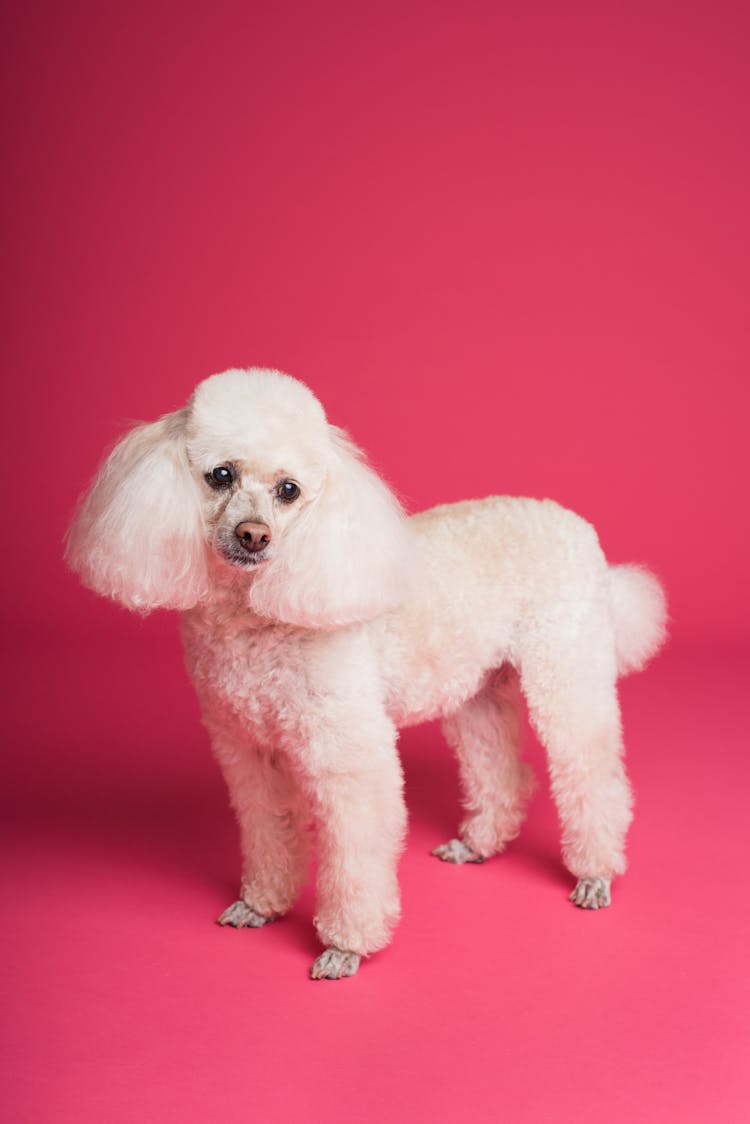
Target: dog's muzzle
{"points": [[253, 537]]}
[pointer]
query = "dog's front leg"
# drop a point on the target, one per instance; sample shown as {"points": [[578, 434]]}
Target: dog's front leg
{"points": [[271, 815], [356, 788]]}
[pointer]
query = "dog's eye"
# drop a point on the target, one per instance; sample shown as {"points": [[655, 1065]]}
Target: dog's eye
{"points": [[287, 491], [220, 477]]}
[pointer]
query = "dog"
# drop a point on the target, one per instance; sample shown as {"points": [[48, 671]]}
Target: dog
{"points": [[318, 620]]}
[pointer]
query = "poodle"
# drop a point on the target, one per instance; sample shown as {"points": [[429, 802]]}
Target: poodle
{"points": [[318, 619]]}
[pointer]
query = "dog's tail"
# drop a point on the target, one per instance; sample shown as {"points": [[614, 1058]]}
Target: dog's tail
{"points": [[639, 611]]}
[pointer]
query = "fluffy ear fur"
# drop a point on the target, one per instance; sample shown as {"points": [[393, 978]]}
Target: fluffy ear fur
{"points": [[346, 558], [138, 536]]}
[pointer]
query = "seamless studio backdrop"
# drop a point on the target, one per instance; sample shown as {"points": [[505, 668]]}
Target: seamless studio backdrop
{"points": [[507, 246]]}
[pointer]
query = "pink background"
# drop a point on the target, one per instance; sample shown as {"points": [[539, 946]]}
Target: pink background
{"points": [[508, 247]]}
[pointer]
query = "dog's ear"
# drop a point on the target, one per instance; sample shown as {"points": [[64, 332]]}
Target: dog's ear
{"points": [[346, 557], [138, 534]]}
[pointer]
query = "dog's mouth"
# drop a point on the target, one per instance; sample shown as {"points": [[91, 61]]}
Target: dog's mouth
{"points": [[244, 559]]}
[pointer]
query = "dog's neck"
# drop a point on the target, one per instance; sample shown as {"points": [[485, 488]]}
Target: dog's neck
{"points": [[226, 606]]}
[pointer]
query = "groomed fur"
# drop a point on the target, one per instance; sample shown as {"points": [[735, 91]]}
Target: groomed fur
{"points": [[309, 649], [139, 534], [639, 610]]}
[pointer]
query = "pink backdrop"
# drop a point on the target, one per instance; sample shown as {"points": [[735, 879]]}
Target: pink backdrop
{"points": [[508, 247]]}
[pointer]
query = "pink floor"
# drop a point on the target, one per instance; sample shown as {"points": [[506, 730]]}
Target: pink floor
{"points": [[497, 1000]]}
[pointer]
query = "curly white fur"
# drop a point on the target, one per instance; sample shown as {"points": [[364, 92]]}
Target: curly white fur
{"points": [[352, 621]]}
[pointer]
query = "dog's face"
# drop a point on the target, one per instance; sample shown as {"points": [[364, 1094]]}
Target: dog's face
{"points": [[247, 507], [248, 480], [259, 449]]}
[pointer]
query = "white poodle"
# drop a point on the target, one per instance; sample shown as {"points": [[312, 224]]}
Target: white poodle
{"points": [[317, 620]]}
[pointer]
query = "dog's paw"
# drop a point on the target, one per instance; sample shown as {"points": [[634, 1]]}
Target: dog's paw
{"points": [[456, 851], [242, 916], [334, 964], [592, 893]]}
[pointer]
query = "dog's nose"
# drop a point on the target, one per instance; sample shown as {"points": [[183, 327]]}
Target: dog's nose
{"points": [[253, 536]]}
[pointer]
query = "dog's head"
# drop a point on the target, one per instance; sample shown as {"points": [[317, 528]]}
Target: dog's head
{"points": [[250, 484]]}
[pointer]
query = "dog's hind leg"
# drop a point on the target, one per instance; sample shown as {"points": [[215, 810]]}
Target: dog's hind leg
{"points": [[486, 736], [574, 708]]}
